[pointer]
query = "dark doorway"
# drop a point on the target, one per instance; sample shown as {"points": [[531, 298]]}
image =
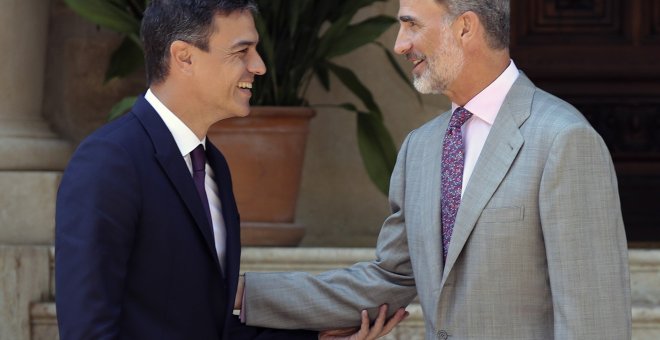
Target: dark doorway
{"points": [[603, 56]]}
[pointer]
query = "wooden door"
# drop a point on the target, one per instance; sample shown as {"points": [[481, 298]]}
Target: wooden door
{"points": [[603, 56]]}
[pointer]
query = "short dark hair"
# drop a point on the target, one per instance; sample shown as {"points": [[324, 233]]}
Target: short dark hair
{"points": [[166, 21]]}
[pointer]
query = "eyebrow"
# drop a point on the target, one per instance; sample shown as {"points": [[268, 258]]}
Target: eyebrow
{"points": [[244, 43], [406, 18]]}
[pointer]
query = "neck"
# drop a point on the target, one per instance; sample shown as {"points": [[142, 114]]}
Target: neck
{"points": [[478, 72], [176, 100]]}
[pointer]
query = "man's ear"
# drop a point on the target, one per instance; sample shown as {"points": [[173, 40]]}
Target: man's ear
{"points": [[468, 25], [181, 57]]}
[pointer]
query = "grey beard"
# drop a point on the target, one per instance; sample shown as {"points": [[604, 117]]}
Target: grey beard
{"points": [[428, 83]]}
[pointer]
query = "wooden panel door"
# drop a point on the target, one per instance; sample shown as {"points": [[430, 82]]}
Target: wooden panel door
{"points": [[603, 56]]}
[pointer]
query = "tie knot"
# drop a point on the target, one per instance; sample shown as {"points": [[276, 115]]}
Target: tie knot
{"points": [[198, 158], [459, 117]]}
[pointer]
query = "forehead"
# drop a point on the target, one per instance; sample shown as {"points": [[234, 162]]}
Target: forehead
{"points": [[234, 27], [421, 9]]}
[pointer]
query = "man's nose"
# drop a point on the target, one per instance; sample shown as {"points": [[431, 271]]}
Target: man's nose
{"points": [[257, 66], [402, 44]]}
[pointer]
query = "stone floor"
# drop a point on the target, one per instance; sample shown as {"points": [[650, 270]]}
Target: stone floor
{"points": [[644, 268]]}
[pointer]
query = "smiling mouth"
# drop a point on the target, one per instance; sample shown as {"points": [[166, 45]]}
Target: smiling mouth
{"points": [[416, 62], [244, 85]]}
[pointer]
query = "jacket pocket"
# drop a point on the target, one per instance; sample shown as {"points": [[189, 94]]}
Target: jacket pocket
{"points": [[500, 215]]}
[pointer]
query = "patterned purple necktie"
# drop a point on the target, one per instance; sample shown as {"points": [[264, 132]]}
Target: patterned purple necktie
{"points": [[453, 159], [198, 158]]}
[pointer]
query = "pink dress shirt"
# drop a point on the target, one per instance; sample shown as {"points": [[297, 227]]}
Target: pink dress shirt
{"points": [[484, 108]]}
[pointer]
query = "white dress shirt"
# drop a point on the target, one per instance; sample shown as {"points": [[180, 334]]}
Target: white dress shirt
{"points": [[484, 108], [187, 141]]}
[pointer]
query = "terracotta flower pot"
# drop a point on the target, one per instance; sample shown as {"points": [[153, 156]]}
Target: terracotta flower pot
{"points": [[265, 152]]}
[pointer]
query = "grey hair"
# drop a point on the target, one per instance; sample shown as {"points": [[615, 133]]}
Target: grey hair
{"points": [[494, 14]]}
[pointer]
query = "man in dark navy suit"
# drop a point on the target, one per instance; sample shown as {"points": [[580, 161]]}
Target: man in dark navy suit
{"points": [[147, 231]]}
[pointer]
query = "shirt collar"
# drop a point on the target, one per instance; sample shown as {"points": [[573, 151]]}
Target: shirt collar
{"points": [[185, 139], [488, 102]]}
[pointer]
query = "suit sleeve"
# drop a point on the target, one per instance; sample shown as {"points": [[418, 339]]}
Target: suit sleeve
{"points": [[97, 211], [335, 299], [585, 240]]}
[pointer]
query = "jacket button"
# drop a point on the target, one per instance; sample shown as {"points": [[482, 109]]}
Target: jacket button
{"points": [[442, 334]]}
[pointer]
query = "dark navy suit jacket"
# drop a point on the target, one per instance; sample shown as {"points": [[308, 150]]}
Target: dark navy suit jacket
{"points": [[134, 251]]}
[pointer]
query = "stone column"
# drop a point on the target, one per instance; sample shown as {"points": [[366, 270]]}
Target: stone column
{"points": [[31, 155], [32, 158], [26, 142]]}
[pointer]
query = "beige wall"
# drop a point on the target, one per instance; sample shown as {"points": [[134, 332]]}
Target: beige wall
{"points": [[338, 203]]}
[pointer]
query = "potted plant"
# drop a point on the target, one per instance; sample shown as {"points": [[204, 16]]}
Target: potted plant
{"points": [[299, 39]]}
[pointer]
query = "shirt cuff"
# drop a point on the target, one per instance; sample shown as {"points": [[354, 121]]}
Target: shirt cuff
{"points": [[243, 314]]}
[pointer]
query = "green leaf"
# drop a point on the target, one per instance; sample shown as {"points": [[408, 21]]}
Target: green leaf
{"points": [[349, 107], [126, 59], [296, 12], [323, 75], [351, 81], [360, 34], [106, 14], [332, 34], [399, 71], [121, 107], [377, 149]]}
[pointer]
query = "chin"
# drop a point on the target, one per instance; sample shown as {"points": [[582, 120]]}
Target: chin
{"points": [[243, 112], [240, 109]]}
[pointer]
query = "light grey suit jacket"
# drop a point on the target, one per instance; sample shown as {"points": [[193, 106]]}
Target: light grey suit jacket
{"points": [[538, 249]]}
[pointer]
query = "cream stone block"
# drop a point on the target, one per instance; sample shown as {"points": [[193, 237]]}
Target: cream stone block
{"points": [[44, 321], [33, 154], [645, 276], [646, 323], [27, 207], [24, 279]]}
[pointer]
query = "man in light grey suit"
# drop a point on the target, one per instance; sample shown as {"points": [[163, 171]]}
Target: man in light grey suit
{"points": [[505, 218]]}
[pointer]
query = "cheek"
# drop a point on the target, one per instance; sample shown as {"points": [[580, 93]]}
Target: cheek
{"points": [[428, 43]]}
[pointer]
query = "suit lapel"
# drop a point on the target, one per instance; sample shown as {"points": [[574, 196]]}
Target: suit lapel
{"points": [[431, 168], [170, 159], [500, 150], [229, 214], [232, 225]]}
